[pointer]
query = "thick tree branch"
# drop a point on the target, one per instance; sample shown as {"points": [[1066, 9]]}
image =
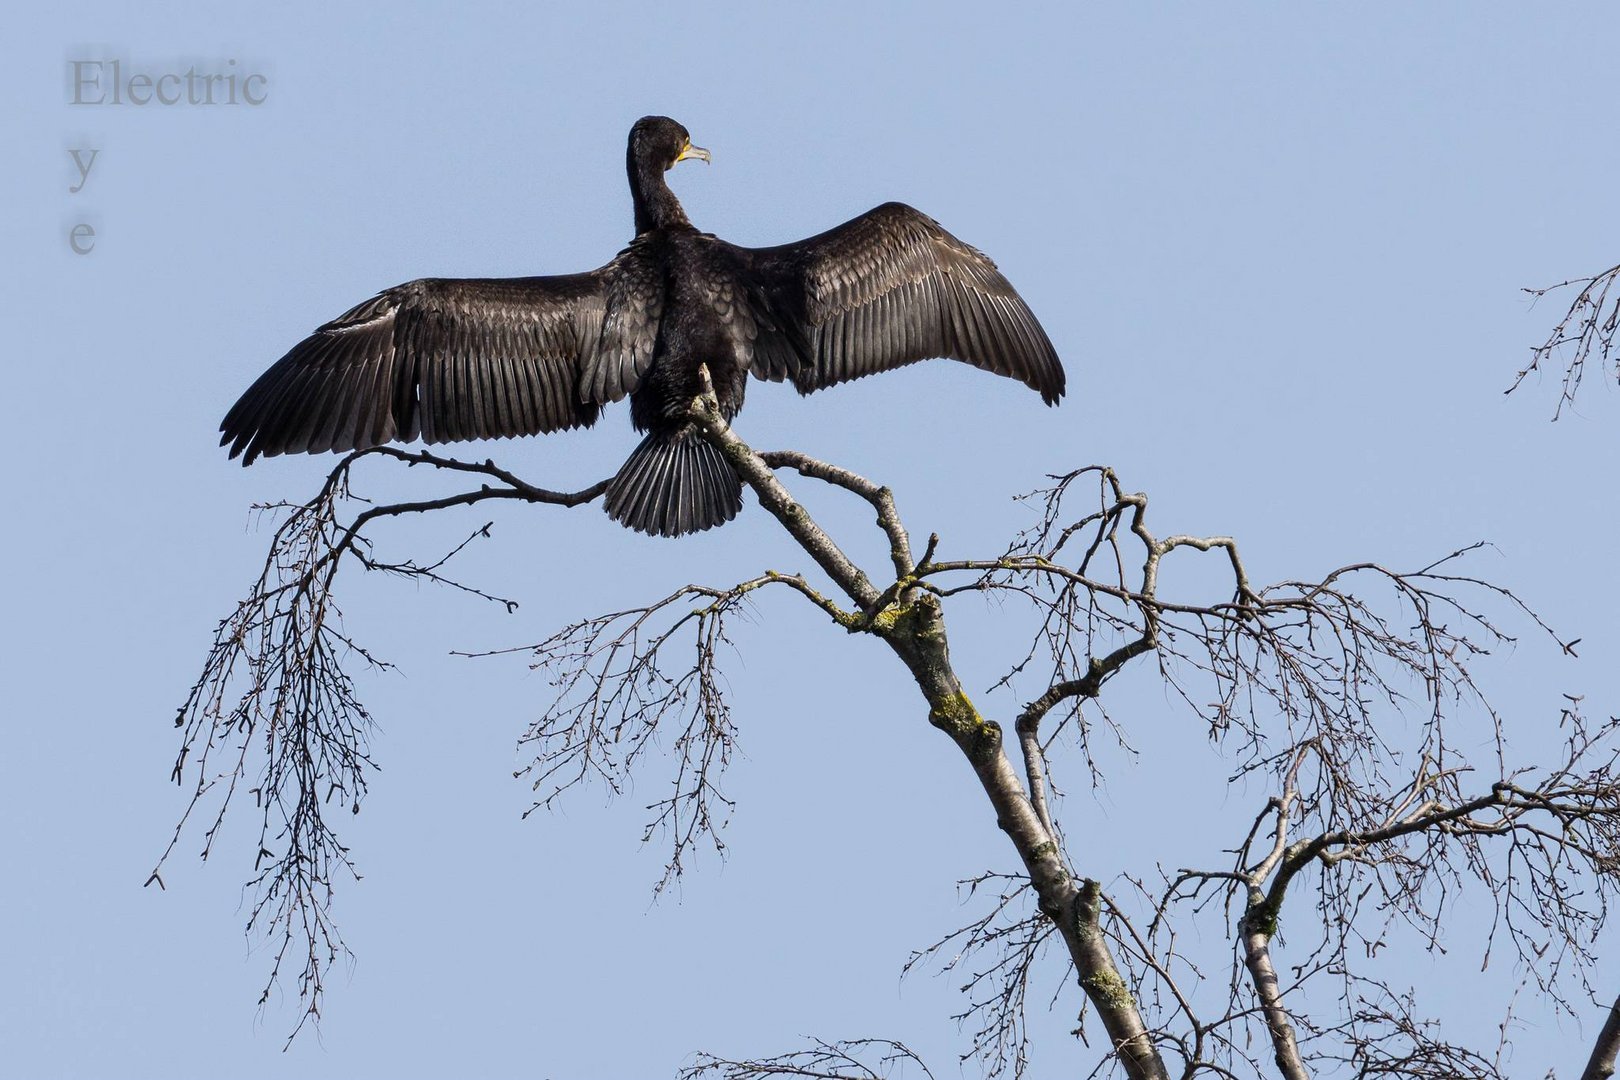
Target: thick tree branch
{"points": [[1601, 1065], [1285, 1045], [781, 505], [881, 498], [915, 630]]}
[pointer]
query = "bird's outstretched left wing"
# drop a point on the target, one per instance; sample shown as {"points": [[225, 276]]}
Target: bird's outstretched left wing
{"points": [[443, 359], [889, 288]]}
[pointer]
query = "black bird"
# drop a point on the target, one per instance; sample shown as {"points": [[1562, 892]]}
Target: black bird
{"points": [[451, 359]]}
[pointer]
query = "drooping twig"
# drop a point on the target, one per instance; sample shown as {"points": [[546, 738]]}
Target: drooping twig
{"points": [[1588, 332], [276, 711]]}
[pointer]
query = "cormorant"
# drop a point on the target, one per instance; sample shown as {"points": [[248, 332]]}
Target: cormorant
{"points": [[452, 359]]}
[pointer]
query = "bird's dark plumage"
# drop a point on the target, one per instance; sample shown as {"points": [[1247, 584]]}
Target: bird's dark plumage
{"points": [[448, 360]]}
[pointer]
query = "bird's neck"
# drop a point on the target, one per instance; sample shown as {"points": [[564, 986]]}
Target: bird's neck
{"points": [[656, 205]]}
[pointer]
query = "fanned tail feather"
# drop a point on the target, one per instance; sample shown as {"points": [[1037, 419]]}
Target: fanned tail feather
{"points": [[675, 482]]}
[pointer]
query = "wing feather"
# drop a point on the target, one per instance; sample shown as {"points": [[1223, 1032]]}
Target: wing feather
{"points": [[629, 334], [441, 359], [887, 289]]}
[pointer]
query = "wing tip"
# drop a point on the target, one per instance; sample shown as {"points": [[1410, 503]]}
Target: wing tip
{"points": [[1052, 390]]}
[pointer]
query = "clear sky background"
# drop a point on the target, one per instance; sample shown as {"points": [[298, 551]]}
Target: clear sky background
{"points": [[1279, 248]]}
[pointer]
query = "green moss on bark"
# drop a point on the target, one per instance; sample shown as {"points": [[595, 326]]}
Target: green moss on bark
{"points": [[1109, 989]]}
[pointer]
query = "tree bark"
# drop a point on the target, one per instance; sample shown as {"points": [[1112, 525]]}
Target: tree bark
{"points": [[916, 632], [1601, 1066], [1257, 958], [912, 624]]}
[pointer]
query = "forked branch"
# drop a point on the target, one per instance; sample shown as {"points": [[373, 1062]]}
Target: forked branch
{"points": [[1586, 334]]}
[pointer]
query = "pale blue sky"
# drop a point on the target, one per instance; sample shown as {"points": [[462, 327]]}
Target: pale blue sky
{"points": [[1279, 248]]}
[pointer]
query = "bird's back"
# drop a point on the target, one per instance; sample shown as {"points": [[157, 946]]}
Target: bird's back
{"points": [[707, 318]]}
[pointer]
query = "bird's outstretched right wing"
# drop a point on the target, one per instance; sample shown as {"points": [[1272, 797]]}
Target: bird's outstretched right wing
{"points": [[440, 359], [889, 288]]}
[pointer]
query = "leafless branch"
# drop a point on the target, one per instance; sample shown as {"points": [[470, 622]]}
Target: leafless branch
{"points": [[881, 498], [1383, 1037], [997, 953], [851, 1059], [276, 708], [1547, 853], [1586, 333], [617, 687]]}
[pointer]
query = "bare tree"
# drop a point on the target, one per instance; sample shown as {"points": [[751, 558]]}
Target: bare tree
{"points": [[1585, 335], [1349, 700]]}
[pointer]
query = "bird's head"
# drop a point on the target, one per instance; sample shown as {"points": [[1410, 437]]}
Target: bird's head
{"points": [[661, 142]]}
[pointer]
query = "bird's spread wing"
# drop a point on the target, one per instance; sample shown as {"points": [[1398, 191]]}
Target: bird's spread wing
{"points": [[887, 289], [443, 359]]}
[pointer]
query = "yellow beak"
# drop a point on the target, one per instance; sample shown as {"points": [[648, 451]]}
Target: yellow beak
{"points": [[690, 151]]}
